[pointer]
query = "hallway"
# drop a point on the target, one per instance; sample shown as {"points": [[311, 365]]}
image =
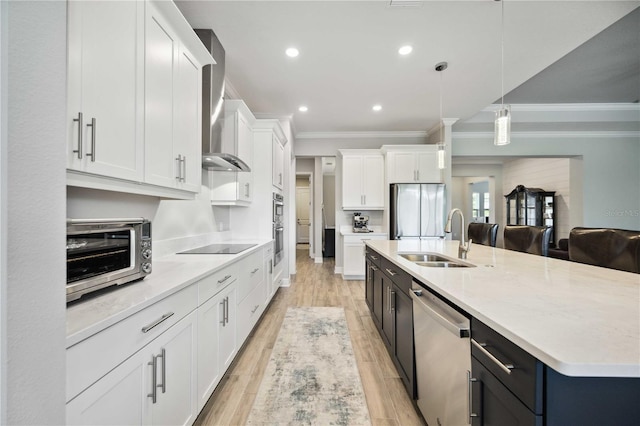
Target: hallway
{"points": [[314, 285]]}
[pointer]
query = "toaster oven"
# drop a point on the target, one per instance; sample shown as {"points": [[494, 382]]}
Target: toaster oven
{"points": [[106, 252]]}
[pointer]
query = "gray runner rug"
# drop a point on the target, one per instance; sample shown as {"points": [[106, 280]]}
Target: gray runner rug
{"points": [[312, 377]]}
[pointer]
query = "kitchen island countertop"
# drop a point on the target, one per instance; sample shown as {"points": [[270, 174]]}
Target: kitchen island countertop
{"points": [[580, 320]]}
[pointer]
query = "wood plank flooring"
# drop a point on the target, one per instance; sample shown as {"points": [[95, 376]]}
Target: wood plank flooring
{"points": [[314, 285]]}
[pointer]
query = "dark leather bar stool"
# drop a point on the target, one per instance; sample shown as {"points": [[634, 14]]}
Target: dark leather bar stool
{"points": [[527, 239], [483, 233], [606, 247]]}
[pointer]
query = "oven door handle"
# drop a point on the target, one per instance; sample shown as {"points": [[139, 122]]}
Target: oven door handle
{"points": [[280, 228]]}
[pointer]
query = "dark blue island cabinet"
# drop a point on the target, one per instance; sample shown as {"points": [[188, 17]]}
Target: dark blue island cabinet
{"points": [[509, 387]]}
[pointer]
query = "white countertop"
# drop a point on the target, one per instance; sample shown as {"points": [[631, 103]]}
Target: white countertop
{"points": [[170, 274], [348, 230], [580, 320]]}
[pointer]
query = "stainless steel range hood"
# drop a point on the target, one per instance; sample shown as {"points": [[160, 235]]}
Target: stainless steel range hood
{"points": [[213, 110]]}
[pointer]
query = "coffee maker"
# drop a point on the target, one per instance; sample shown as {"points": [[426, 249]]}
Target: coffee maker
{"points": [[360, 223]]}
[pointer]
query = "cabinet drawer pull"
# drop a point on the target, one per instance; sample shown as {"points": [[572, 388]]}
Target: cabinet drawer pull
{"points": [[92, 154], [157, 322], [254, 271], [80, 126], [373, 257], [224, 279], [504, 367], [253, 311], [393, 274]]}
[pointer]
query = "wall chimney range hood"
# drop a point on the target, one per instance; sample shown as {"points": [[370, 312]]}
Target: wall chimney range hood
{"points": [[213, 110]]}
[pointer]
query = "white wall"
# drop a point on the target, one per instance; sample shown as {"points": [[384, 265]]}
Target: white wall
{"points": [[328, 147], [329, 199], [3, 205], [610, 169], [33, 314], [550, 174]]}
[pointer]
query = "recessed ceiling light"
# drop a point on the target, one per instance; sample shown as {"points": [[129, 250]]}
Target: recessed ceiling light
{"points": [[292, 52], [377, 107], [303, 109], [405, 50]]}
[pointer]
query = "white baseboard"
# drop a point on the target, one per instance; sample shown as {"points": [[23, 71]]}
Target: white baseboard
{"points": [[286, 282], [318, 260], [338, 270]]}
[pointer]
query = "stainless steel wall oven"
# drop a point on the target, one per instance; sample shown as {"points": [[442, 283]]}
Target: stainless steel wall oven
{"points": [[278, 227], [105, 252]]}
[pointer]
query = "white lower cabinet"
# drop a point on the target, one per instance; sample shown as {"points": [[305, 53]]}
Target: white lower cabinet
{"points": [[353, 266], [154, 386], [216, 340]]}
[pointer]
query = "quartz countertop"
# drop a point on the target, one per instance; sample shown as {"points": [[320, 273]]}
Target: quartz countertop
{"points": [[580, 320], [170, 274]]}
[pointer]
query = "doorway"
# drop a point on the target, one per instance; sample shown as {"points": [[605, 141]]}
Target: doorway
{"points": [[303, 211]]}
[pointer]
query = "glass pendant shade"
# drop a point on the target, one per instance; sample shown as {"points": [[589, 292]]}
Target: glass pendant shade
{"points": [[503, 126], [441, 153]]}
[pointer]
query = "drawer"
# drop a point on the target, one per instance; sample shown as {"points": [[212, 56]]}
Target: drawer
{"points": [[268, 251], [373, 256], [92, 358], [249, 311], [251, 273], [526, 378], [400, 278], [210, 285]]}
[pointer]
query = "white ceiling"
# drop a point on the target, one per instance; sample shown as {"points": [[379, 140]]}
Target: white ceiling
{"points": [[348, 57]]}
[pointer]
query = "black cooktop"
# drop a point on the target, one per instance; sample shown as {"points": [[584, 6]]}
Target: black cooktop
{"points": [[220, 249]]}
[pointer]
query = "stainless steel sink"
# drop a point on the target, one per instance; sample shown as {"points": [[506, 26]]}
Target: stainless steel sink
{"points": [[434, 260], [425, 257], [443, 264]]}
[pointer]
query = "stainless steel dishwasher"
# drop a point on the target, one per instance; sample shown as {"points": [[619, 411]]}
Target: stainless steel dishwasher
{"points": [[443, 359]]}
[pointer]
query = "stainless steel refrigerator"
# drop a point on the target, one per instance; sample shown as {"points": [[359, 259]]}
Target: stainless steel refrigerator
{"points": [[417, 210]]}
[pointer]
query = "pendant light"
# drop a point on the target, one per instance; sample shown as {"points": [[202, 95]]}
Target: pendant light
{"points": [[441, 146], [503, 115]]}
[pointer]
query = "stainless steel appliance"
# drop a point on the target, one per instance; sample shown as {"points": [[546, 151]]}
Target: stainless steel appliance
{"points": [[443, 360], [278, 227], [417, 210], [213, 157], [361, 223], [106, 252]]}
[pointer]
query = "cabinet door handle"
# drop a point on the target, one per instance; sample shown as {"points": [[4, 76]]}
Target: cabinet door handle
{"points": [[374, 257], [392, 273], [157, 322], [226, 310], [183, 171], [224, 314], [365, 199], [392, 298], [417, 174], [163, 355], [154, 381], [178, 167], [255, 309], [504, 367], [270, 266], [254, 271], [246, 190], [80, 128], [469, 397], [374, 268], [92, 154]]}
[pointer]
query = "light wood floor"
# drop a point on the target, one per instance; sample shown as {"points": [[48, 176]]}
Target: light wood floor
{"points": [[314, 285]]}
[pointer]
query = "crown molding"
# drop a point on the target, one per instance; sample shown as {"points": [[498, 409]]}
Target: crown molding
{"points": [[549, 135], [360, 135], [568, 107], [230, 90]]}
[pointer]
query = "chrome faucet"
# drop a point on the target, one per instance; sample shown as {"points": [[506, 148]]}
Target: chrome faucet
{"points": [[463, 248]]}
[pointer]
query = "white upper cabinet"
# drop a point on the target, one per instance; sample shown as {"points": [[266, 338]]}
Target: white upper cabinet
{"points": [[105, 102], [412, 164], [134, 98], [173, 97], [362, 179], [235, 188], [278, 163]]}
